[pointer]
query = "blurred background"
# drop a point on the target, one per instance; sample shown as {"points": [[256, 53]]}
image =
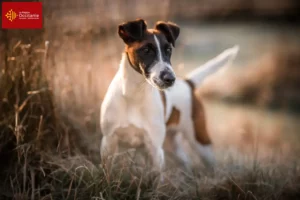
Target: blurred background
{"points": [[51, 95], [259, 92]]}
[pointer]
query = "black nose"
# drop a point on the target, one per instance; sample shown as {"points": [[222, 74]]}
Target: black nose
{"points": [[167, 78]]}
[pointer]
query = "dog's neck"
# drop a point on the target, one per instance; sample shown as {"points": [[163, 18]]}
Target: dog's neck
{"points": [[134, 85]]}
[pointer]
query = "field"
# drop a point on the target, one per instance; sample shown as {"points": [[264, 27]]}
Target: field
{"points": [[52, 82]]}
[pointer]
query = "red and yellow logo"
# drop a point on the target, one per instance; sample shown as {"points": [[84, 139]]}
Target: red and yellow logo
{"points": [[22, 15], [11, 15]]}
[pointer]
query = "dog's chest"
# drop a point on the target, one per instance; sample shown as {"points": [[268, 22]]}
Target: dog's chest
{"points": [[132, 124], [133, 117]]}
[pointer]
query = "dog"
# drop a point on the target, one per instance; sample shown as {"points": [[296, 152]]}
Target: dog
{"points": [[144, 99]]}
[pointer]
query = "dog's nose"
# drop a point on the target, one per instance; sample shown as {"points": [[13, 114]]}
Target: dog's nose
{"points": [[167, 78]]}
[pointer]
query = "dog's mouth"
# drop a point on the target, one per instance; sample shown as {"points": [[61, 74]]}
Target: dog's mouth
{"points": [[161, 85]]}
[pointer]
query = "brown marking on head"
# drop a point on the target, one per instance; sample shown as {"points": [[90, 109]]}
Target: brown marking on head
{"points": [[198, 117], [149, 50]]}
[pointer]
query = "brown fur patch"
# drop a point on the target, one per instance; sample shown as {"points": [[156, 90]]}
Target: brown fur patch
{"points": [[175, 114], [174, 117], [198, 117]]}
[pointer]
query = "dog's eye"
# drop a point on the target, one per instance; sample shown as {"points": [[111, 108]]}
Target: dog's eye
{"points": [[168, 50], [146, 50]]}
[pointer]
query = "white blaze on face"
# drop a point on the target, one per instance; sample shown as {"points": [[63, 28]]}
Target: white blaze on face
{"points": [[158, 49], [159, 66]]}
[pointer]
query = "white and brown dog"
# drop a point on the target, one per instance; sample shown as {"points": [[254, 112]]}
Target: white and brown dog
{"points": [[144, 101]]}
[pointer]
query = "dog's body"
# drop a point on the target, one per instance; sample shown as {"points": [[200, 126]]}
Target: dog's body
{"points": [[138, 113]]}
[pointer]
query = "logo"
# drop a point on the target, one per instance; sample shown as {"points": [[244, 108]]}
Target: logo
{"points": [[22, 15], [11, 15]]}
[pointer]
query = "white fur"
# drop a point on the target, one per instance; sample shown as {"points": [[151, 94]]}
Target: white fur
{"points": [[158, 48], [207, 154], [132, 102], [198, 76]]}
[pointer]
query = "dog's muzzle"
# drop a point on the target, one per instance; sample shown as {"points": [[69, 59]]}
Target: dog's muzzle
{"points": [[167, 78]]}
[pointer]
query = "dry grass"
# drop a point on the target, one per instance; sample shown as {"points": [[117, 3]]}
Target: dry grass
{"points": [[45, 157]]}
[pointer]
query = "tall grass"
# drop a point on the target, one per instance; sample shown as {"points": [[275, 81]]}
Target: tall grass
{"points": [[44, 155]]}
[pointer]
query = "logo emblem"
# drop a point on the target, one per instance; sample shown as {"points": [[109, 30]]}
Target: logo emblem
{"points": [[11, 15], [22, 15]]}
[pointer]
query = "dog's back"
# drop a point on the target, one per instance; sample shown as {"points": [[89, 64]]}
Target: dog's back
{"points": [[182, 105]]}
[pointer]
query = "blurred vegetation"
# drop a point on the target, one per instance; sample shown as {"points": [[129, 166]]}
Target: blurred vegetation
{"points": [[270, 82]]}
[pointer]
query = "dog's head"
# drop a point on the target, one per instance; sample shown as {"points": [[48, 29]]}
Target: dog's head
{"points": [[149, 50]]}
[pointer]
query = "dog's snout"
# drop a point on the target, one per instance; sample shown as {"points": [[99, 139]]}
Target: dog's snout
{"points": [[167, 77]]}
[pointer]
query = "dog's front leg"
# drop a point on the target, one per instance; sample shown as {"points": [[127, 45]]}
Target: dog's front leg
{"points": [[109, 146], [157, 156], [109, 142], [154, 143]]}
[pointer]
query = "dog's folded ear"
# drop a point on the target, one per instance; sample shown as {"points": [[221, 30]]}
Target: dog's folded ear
{"points": [[169, 29], [132, 31]]}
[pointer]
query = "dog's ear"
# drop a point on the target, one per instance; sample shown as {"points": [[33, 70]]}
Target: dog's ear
{"points": [[132, 31], [169, 29]]}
